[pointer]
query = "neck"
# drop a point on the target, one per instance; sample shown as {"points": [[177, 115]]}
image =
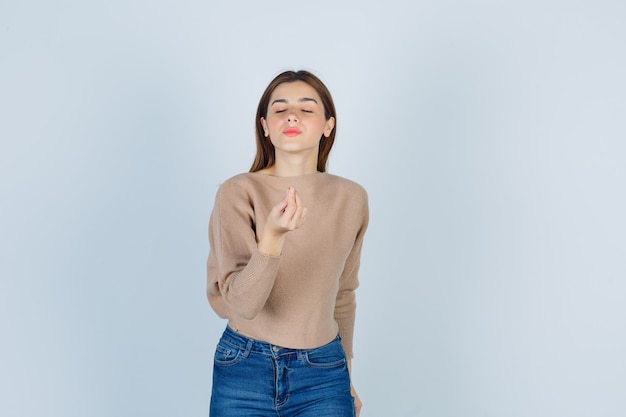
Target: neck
{"points": [[293, 166]]}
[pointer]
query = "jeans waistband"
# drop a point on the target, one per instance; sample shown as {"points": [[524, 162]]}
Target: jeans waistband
{"points": [[249, 344]]}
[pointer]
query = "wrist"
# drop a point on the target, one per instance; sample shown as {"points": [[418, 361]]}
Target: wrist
{"points": [[271, 244]]}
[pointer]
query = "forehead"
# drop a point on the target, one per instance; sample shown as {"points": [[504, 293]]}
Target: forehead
{"points": [[294, 91]]}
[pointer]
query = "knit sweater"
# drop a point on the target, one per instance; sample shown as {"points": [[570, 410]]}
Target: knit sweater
{"points": [[303, 297]]}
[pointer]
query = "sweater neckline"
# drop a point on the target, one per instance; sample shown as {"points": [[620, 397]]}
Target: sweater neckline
{"points": [[294, 177]]}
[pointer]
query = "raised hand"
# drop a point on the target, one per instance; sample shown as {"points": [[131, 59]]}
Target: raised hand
{"points": [[286, 216]]}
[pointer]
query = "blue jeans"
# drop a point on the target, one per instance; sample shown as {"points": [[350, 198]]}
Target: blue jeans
{"points": [[257, 379]]}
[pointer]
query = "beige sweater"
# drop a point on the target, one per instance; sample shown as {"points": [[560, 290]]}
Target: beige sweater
{"points": [[301, 298]]}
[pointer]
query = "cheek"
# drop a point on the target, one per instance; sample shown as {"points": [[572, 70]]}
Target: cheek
{"points": [[274, 123], [322, 125]]}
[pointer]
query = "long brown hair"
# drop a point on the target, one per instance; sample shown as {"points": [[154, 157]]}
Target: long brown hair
{"points": [[265, 152]]}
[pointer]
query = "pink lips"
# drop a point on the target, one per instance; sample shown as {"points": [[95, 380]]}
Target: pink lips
{"points": [[292, 131]]}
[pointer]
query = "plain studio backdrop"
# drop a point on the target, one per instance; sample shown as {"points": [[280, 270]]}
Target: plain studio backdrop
{"points": [[490, 136]]}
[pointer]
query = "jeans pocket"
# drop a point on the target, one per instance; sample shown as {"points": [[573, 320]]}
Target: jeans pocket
{"points": [[226, 355], [329, 356]]}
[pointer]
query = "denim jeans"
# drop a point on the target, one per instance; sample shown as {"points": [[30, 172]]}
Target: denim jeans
{"points": [[257, 379]]}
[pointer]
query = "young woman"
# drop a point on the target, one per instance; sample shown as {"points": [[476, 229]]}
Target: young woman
{"points": [[286, 243]]}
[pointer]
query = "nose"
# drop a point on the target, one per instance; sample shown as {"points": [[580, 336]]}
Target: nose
{"points": [[292, 117]]}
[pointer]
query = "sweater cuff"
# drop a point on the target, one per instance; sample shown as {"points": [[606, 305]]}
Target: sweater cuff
{"points": [[346, 330]]}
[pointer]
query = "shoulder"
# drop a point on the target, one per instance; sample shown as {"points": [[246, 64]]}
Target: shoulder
{"points": [[237, 183], [350, 199], [234, 190], [240, 179], [347, 186]]}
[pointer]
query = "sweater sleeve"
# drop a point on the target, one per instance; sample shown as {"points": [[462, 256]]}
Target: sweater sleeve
{"points": [[239, 277], [345, 307]]}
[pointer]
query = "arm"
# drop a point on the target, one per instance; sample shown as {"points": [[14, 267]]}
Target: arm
{"points": [[345, 306], [240, 273]]}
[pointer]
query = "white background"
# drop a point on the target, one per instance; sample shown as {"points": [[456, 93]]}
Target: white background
{"points": [[489, 134]]}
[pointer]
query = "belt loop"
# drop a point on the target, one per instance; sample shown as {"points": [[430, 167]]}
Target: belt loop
{"points": [[299, 354], [248, 348]]}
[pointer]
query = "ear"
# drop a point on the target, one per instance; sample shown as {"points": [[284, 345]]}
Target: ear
{"points": [[330, 125], [265, 129]]}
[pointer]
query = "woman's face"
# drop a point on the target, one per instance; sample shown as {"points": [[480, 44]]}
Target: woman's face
{"points": [[296, 120]]}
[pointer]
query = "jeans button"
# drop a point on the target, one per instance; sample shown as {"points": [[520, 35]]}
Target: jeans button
{"points": [[275, 348]]}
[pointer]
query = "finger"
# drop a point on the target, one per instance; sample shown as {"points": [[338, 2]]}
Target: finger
{"points": [[300, 213], [357, 407], [291, 208], [298, 209], [281, 206], [304, 212], [296, 194]]}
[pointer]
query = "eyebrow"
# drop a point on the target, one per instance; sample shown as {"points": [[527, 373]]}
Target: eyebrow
{"points": [[300, 100]]}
